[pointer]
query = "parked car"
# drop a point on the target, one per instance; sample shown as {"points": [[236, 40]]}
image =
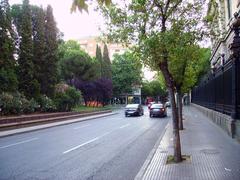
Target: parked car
{"points": [[134, 110], [158, 110], [150, 104], [168, 104]]}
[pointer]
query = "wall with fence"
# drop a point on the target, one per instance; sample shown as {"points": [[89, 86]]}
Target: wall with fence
{"points": [[217, 90], [220, 89]]}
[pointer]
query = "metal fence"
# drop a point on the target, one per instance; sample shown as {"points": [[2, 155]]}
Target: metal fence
{"points": [[220, 90]]}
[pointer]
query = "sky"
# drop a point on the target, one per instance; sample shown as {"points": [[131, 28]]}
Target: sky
{"points": [[76, 25], [73, 25]]}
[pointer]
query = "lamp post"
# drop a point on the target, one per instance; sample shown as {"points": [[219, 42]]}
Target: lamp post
{"points": [[235, 56]]}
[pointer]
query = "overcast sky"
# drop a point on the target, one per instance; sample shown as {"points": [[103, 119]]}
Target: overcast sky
{"points": [[75, 25]]}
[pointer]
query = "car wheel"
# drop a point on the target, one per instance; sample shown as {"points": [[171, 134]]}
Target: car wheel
{"points": [[150, 115]]}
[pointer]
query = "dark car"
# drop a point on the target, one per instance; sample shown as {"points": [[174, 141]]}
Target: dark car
{"points": [[134, 110], [158, 110]]}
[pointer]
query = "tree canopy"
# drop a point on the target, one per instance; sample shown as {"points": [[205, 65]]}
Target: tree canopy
{"points": [[83, 4], [8, 78], [126, 72], [75, 63], [155, 27]]}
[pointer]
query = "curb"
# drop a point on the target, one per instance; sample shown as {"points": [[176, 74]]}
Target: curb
{"points": [[143, 169], [54, 124]]}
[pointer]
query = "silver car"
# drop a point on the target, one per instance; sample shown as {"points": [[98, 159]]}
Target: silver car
{"points": [[134, 110]]}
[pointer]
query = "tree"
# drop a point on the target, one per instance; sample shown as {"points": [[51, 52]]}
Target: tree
{"points": [[82, 5], [75, 63], [8, 79], [193, 72], [104, 90], [150, 25], [106, 65], [154, 89], [126, 72], [39, 45], [50, 65], [27, 83], [99, 60]]}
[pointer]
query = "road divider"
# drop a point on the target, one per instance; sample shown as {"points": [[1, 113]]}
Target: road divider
{"points": [[53, 124]]}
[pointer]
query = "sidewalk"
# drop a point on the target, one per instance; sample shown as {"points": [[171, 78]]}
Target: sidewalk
{"points": [[214, 155]]}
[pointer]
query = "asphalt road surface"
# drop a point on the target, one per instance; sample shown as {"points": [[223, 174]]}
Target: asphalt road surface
{"points": [[108, 148]]}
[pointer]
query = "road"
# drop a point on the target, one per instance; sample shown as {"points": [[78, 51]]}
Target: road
{"points": [[113, 147]]}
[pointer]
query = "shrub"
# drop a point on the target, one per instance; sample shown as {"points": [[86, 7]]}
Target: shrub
{"points": [[10, 104], [16, 103], [29, 106], [46, 104], [61, 88], [65, 101]]}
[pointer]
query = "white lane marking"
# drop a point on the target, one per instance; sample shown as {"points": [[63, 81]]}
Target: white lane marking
{"points": [[83, 144], [21, 142], [92, 140], [105, 134], [79, 127], [126, 125], [145, 127]]}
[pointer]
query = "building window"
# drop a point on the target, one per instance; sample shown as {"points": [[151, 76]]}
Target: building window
{"points": [[229, 5]]}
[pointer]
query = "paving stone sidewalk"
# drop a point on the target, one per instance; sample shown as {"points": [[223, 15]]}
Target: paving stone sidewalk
{"points": [[214, 155]]}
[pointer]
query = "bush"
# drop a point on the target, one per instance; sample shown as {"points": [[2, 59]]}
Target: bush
{"points": [[46, 104], [16, 103], [29, 106], [10, 103], [65, 101]]}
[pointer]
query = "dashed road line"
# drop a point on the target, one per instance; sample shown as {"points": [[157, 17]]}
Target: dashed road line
{"points": [[94, 139], [83, 144], [126, 125], [21, 142]]}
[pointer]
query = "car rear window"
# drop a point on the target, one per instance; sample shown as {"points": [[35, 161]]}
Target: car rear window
{"points": [[157, 106]]}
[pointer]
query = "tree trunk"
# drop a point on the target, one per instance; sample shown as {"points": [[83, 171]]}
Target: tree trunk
{"points": [[176, 135], [180, 106]]}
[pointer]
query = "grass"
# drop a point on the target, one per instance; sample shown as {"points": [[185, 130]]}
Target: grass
{"points": [[91, 109]]}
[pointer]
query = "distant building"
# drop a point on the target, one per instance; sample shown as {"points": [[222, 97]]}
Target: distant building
{"points": [[89, 44]]}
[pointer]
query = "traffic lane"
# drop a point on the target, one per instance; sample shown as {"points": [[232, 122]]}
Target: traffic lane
{"points": [[58, 139], [59, 132], [83, 132], [99, 159], [127, 163], [39, 150], [115, 157]]}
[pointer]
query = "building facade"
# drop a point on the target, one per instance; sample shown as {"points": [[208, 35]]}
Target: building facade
{"points": [[220, 16], [89, 45]]}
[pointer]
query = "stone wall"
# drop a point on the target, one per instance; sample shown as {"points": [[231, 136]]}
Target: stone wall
{"points": [[229, 125]]}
